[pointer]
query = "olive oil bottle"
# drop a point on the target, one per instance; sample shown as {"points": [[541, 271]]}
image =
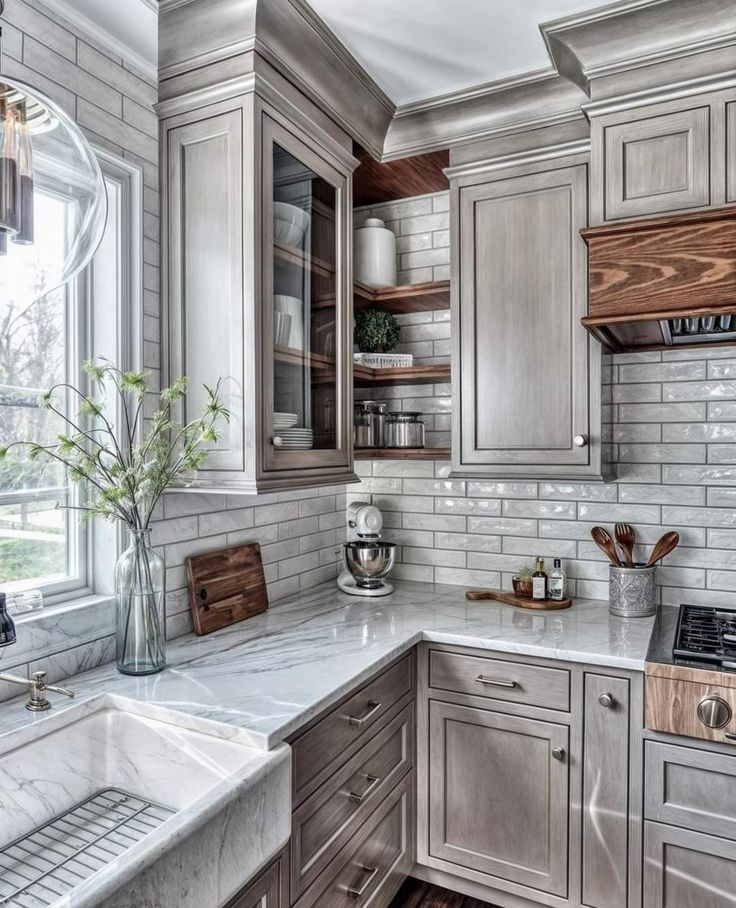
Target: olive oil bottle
{"points": [[539, 580]]}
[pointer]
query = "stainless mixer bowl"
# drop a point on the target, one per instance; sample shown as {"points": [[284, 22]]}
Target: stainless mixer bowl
{"points": [[369, 561]]}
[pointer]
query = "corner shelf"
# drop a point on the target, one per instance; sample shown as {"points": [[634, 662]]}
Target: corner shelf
{"points": [[402, 453], [365, 377], [407, 298]]}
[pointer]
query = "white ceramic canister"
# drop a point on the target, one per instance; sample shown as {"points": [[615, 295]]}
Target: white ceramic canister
{"points": [[375, 255]]}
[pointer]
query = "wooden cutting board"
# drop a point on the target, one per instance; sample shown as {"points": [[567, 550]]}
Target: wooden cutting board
{"points": [[519, 601], [226, 586]]}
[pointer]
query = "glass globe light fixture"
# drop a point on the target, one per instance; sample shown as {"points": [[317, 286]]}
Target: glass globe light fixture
{"points": [[43, 152]]}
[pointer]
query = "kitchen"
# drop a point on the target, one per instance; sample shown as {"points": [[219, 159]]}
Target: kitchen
{"points": [[453, 287]]}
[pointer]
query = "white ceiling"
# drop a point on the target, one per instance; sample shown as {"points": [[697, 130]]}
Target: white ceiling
{"points": [[416, 49]]}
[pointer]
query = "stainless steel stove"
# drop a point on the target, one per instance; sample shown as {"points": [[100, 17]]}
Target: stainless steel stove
{"points": [[691, 673]]}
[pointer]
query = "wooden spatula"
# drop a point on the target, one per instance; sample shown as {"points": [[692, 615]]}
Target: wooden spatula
{"points": [[664, 545], [602, 538]]}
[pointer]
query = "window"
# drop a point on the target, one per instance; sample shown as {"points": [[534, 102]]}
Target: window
{"points": [[41, 344]]}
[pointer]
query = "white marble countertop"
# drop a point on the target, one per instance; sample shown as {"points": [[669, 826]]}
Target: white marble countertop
{"points": [[270, 675]]}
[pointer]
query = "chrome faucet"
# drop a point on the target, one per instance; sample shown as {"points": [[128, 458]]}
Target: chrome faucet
{"points": [[37, 687]]}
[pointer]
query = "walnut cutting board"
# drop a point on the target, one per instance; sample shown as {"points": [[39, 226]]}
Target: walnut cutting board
{"points": [[226, 586], [519, 601]]}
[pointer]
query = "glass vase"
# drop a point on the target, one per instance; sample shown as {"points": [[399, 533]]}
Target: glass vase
{"points": [[140, 582]]}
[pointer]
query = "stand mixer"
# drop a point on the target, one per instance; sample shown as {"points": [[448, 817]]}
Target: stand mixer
{"points": [[367, 559]]}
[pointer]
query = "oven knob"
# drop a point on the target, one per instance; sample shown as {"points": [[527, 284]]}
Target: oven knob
{"points": [[714, 712]]}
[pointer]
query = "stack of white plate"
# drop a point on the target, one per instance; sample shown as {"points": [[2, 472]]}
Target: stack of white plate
{"points": [[284, 420], [296, 439]]}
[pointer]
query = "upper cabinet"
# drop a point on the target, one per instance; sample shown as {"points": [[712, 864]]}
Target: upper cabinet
{"points": [[662, 158], [258, 294], [527, 393]]}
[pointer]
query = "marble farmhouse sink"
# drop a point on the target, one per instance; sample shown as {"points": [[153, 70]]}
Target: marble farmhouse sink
{"points": [[111, 802]]}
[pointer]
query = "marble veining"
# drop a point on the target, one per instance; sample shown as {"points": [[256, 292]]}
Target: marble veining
{"points": [[268, 676]]}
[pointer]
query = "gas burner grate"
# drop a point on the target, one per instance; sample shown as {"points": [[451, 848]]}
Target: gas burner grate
{"points": [[706, 634], [38, 869]]}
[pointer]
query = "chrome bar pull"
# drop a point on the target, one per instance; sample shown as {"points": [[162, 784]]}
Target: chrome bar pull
{"points": [[359, 721], [360, 891], [496, 682]]}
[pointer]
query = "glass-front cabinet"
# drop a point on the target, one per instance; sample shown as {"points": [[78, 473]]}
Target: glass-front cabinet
{"points": [[257, 282], [305, 330]]}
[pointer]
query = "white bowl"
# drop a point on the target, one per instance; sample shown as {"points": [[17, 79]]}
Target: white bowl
{"points": [[295, 308], [290, 223]]}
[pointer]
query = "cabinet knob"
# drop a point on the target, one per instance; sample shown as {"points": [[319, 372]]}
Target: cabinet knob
{"points": [[580, 441], [714, 712], [558, 753], [606, 700], [277, 441]]}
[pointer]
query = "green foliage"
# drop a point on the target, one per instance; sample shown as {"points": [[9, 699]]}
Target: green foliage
{"points": [[126, 471], [376, 331], [525, 574]]}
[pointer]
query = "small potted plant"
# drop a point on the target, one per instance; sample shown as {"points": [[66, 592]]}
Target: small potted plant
{"points": [[522, 582], [123, 471], [376, 331]]}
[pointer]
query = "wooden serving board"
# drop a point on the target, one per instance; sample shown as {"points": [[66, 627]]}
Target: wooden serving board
{"points": [[226, 586], [520, 601]]}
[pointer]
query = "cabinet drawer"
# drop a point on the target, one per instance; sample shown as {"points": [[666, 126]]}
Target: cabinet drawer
{"points": [[327, 819], [341, 732], [372, 866], [498, 679], [686, 786], [684, 869]]}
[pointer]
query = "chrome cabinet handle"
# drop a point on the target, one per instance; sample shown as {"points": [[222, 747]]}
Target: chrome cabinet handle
{"points": [[359, 798], [496, 682], [729, 736], [558, 753], [358, 893], [580, 441], [373, 707], [606, 700]]}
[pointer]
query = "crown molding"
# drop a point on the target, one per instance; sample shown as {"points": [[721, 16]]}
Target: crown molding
{"points": [[528, 156], [84, 24]]}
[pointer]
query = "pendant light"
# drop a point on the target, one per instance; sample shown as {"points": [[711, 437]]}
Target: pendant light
{"points": [[42, 150]]}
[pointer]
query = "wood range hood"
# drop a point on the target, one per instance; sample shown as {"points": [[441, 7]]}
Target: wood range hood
{"points": [[663, 283]]}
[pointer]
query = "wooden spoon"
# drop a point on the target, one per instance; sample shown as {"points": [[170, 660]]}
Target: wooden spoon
{"points": [[626, 537], [602, 538], [663, 546]]}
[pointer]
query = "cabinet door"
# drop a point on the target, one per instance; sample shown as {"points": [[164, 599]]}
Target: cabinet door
{"points": [[605, 792], [731, 152], [306, 305], [498, 795], [204, 240], [657, 164], [684, 869], [523, 394], [268, 890]]}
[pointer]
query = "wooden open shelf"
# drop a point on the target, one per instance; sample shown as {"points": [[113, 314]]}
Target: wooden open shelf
{"points": [[365, 377], [298, 257], [408, 298], [296, 357], [402, 453]]}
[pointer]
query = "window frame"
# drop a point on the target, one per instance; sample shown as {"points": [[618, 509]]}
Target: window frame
{"points": [[87, 314]]}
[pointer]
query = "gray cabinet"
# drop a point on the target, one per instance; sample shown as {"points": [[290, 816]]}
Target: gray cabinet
{"points": [[269, 889], [661, 158], [257, 277], [527, 392], [684, 869], [605, 820], [731, 152], [498, 796]]}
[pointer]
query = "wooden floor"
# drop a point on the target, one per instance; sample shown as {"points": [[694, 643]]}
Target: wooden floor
{"points": [[414, 894]]}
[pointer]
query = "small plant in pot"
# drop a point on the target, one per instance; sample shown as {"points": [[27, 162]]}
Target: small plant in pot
{"points": [[376, 331], [522, 583]]}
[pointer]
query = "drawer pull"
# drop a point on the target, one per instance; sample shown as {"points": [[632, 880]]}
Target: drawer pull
{"points": [[558, 753], [359, 798], [496, 682], [358, 893], [358, 721], [729, 736]]}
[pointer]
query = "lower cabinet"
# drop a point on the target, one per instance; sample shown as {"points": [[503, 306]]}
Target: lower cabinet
{"points": [[270, 889], [685, 869], [498, 795]]}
